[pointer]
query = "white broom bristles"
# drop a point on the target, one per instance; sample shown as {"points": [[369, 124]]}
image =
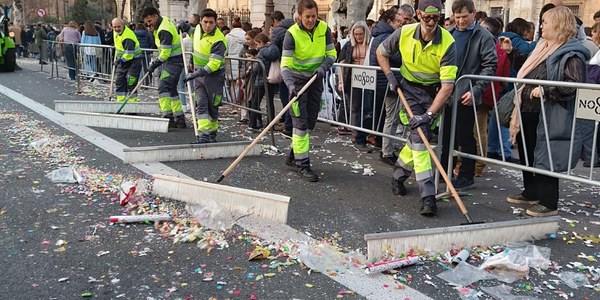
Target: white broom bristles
{"points": [[118, 121], [444, 239], [243, 201], [187, 152], [106, 106]]}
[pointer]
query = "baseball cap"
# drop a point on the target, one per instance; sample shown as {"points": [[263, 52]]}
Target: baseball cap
{"points": [[430, 6]]}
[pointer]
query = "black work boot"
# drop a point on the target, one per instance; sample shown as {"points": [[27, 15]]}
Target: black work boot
{"points": [[428, 207], [212, 137], [308, 174], [290, 160], [398, 187], [171, 122], [180, 122]]}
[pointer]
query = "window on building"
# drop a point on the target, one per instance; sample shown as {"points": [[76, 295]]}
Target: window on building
{"points": [[574, 9], [496, 12]]}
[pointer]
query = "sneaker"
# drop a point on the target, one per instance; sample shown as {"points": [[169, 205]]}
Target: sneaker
{"points": [[462, 184], [308, 174], [252, 130], [428, 206], [212, 138], [344, 131], [363, 148], [519, 199], [389, 160], [539, 210], [243, 121], [279, 127], [478, 173], [398, 187]]}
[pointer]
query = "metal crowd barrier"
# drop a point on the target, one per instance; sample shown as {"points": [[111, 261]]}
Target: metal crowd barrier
{"points": [[587, 107], [364, 80]]}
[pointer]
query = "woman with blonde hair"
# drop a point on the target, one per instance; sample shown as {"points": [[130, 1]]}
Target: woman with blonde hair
{"points": [[558, 56], [354, 53]]}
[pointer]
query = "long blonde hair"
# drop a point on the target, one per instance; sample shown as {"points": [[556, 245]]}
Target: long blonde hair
{"points": [[365, 28]]}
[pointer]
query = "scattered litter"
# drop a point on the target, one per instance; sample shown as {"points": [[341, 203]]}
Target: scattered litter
{"points": [[212, 215], [463, 274], [63, 279], [502, 292], [573, 280], [394, 264], [65, 175]]}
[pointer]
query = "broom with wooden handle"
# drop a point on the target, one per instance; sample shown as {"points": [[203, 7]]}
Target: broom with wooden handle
{"points": [[266, 129], [437, 163], [132, 92], [188, 87]]}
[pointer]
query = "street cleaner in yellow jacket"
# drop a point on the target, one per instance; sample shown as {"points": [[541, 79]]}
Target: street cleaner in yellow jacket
{"points": [[210, 47], [308, 49], [168, 43], [428, 67], [128, 60]]}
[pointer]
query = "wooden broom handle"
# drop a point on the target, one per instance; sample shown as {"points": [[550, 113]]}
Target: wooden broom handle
{"points": [[188, 87], [434, 158], [264, 131]]}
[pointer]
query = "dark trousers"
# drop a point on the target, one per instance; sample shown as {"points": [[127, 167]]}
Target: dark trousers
{"points": [[127, 76], [304, 115], [537, 187], [465, 120], [259, 93], [71, 57], [284, 95], [366, 113]]}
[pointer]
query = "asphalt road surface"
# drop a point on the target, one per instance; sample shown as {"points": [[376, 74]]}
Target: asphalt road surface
{"points": [[56, 241]]}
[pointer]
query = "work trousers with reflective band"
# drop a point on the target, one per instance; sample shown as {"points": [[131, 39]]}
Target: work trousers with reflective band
{"points": [[126, 78], [414, 156], [209, 92], [168, 97], [304, 113]]}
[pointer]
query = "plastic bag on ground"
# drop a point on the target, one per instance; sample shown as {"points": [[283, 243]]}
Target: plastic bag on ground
{"points": [[39, 144], [212, 216], [320, 257], [65, 175], [537, 257], [573, 280], [507, 266], [463, 274], [502, 292]]}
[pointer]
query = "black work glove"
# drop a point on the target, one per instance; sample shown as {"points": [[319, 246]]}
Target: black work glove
{"points": [[116, 63], [418, 121], [191, 76], [183, 26], [392, 82], [292, 92], [321, 72], [154, 65]]}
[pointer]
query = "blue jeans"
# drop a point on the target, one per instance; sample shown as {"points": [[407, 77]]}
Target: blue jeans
{"points": [[494, 141]]}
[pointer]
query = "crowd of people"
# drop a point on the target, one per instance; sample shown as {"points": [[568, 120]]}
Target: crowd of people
{"points": [[416, 40]]}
